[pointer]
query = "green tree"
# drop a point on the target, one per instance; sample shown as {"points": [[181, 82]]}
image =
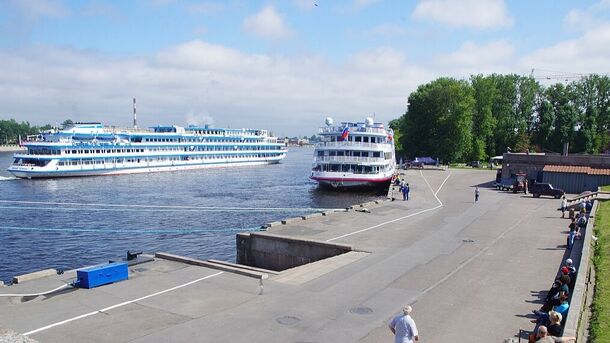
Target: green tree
{"points": [[566, 115], [395, 125], [66, 123], [483, 123], [544, 124], [438, 121], [528, 90], [585, 98], [504, 111]]}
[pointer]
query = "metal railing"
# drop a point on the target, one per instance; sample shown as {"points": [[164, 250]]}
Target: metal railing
{"points": [[349, 159], [339, 129], [372, 146]]}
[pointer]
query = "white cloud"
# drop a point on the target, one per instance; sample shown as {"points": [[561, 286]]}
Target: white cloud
{"points": [[101, 9], [306, 5], [476, 14], [589, 17], [40, 8], [200, 82], [267, 24], [360, 4], [200, 30], [589, 53], [473, 58], [387, 30], [205, 7]]}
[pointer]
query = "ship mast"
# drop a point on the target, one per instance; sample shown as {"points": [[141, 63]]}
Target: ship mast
{"points": [[135, 120]]}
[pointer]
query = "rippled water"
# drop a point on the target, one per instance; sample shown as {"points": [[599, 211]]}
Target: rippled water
{"points": [[73, 222]]}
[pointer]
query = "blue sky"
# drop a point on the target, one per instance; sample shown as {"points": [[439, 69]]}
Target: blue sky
{"points": [[281, 65]]}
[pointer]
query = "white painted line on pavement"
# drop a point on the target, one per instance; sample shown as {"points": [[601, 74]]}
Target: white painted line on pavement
{"points": [[401, 218], [118, 305], [467, 262]]}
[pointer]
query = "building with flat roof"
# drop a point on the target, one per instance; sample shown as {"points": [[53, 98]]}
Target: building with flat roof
{"points": [[572, 173]]}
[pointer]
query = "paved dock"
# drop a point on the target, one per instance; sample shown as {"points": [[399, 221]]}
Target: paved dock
{"points": [[472, 272]]}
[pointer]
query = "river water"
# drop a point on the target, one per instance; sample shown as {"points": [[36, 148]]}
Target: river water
{"points": [[68, 223]]}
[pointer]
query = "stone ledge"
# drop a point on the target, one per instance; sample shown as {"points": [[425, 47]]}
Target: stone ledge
{"points": [[35, 275]]}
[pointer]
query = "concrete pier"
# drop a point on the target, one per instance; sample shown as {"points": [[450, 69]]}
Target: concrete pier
{"points": [[472, 272]]}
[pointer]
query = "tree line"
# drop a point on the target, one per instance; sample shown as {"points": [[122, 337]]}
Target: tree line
{"points": [[473, 120], [11, 130]]}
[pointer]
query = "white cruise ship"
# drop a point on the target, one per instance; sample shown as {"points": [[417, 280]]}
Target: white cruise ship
{"points": [[354, 155], [86, 149]]}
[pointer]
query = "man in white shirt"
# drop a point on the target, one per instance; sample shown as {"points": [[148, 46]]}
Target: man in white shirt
{"points": [[403, 327]]}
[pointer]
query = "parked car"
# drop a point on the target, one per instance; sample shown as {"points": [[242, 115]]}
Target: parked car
{"points": [[474, 164], [539, 189], [414, 164]]}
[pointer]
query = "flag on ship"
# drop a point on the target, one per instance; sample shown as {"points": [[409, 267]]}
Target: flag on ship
{"points": [[390, 138], [344, 134]]}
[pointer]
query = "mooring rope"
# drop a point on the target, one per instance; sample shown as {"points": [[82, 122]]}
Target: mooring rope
{"points": [[179, 207], [131, 231], [81, 209]]}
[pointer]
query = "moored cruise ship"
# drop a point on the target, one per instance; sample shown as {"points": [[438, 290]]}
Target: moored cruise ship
{"points": [[354, 155], [86, 149]]}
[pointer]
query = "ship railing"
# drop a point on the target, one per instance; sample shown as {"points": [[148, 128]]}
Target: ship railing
{"points": [[349, 159], [374, 146], [339, 129]]}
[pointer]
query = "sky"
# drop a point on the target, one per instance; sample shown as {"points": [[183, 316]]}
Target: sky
{"points": [[278, 65]]}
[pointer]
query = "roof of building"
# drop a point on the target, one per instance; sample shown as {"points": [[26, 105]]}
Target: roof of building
{"points": [[575, 170]]}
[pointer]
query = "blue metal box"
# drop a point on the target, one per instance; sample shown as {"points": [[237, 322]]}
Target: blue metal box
{"points": [[101, 274]]}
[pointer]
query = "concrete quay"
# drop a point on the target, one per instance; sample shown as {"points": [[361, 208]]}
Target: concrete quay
{"points": [[472, 272]]}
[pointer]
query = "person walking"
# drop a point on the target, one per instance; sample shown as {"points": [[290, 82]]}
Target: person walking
{"points": [[403, 327], [476, 194], [564, 206], [405, 192]]}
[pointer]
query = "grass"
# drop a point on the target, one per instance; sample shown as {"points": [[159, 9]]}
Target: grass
{"points": [[600, 321]]}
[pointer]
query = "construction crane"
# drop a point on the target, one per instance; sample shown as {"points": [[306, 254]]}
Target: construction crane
{"points": [[556, 75]]}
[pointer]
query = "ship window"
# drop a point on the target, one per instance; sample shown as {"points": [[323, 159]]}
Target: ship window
{"points": [[320, 153], [356, 153], [365, 139], [373, 139], [376, 154], [340, 153], [74, 151], [332, 153], [357, 139]]}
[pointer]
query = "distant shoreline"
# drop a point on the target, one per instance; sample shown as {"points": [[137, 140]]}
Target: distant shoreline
{"points": [[5, 148]]}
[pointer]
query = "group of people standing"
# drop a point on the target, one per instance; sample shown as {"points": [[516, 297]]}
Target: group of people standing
{"points": [[577, 217], [403, 187]]}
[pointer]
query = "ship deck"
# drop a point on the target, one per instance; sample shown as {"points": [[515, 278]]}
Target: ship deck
{"points": [[472, 272]]}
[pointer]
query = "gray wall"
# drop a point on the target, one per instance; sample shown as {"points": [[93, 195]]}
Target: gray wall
{"points": [[263, 250], [576, 182]]}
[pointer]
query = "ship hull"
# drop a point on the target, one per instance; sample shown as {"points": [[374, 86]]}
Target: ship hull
{"points": [[35, 173], [353, 183]]}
